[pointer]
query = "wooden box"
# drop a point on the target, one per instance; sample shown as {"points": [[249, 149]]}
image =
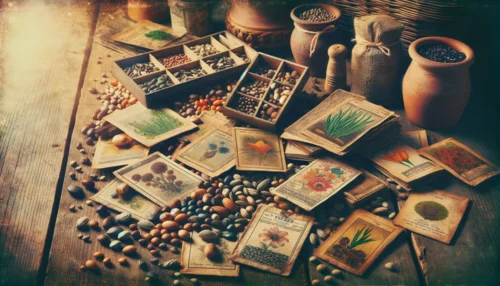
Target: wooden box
{"points": [[274, 81], [224, 42]]}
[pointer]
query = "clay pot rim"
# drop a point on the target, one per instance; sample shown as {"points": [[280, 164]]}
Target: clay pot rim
{"points": [[430, 64], [315, 26]]}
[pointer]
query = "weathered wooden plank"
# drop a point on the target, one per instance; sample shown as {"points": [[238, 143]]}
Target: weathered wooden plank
{"points": [[42, 49], [68, 252]]}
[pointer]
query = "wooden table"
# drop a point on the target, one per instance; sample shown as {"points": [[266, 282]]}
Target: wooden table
{"points": [[48, 62]]}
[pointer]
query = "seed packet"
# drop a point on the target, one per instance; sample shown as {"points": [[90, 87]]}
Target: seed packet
{"points": [[159, 179], [149, 35], [462, 162], [435, 214], [132, 202], [107, 155], [415, 139], [273, 239], [194, 261], [149, 126], [209, 121], [316, 183], [362, 188], [258, 150], [293, 152], [358, 242], [212, 153]]}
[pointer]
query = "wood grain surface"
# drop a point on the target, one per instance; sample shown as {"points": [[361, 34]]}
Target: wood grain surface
{"points": [[42, 50]]}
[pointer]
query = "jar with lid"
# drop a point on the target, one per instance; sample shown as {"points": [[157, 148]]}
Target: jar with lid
{"points": [[192, 16]]}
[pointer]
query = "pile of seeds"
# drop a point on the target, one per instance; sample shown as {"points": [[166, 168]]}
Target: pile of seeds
{"points": [[204, 50], [255, 88], [220, 63], [440, 53], [246, 105], [288, 77], [156, 83], [316, 15], [140, 69], [242, 56], [187, 75], [264, 71], [174, 60], [212, 98], [279, 93], [269, 112]]}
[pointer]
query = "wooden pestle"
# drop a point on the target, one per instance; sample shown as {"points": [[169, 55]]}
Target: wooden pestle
{"points": [[336, 69]]}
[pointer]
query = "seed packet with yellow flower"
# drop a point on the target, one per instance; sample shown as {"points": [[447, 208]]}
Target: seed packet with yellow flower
{"points": [[258, 150]]}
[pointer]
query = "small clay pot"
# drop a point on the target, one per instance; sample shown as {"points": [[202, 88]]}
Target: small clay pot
{"points": [[435, 94], [303, 34]]}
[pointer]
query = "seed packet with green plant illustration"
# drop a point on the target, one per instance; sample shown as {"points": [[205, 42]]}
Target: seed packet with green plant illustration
{"points": [[132, 202], [194, 261], [435, 214], [272, 240], [212, 153], [149, 126], [149, 35], [159, 179], [316, 183], [358, 242], [461, 161]]}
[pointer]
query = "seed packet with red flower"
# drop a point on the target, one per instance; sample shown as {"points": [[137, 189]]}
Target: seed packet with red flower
{"points": [[460, 161], [316, 183]]}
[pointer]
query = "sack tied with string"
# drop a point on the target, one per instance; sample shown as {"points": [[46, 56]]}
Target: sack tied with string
{"points": [[375, 61]]}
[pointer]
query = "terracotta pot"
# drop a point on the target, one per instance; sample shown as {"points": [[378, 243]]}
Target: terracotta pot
{"points": [[435, 94], [153, 10], [304, 33]]}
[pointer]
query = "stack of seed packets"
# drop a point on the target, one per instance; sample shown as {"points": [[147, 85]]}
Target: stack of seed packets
{"points": [[293, 151], [342, 123], [363, 188]]}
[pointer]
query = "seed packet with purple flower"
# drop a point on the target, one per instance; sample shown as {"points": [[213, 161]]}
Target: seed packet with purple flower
{"points": [[159, 179]]}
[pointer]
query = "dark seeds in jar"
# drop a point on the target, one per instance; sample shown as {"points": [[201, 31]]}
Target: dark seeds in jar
{"points": [[440, 53], [316, 15]]}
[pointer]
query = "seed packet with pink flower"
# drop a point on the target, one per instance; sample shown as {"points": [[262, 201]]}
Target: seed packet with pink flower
{"points": [[159, 179], [316, 183], [462, 162], [272, 240]]}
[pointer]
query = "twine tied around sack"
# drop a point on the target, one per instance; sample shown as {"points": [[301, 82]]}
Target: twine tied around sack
{"points": [[314, 41], [381, 46]]}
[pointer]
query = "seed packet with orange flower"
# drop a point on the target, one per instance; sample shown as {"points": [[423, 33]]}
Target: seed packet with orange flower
{"points": [[272, 240], [316, 183], [258, 150], [462, 162]]}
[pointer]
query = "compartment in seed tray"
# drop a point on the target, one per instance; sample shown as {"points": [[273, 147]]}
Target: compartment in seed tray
{"points": [[228, 40], [278, 93], [254, 86], [289, 74], [154, 82], [268, 111], [205, 47], [174, 56], [222, 61], [190, 71], [243, 103], [140, 65], [265, 66], [246, 54]]}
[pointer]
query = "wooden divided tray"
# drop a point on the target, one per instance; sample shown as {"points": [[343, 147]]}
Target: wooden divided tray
{"points": [[265, 108], [171, 81]]}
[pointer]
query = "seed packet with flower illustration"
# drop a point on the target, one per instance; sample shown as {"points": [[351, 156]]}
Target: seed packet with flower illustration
{"points": [[212, 153], [316, 183], [403, 163], [356, 244], [258, 150], [132, 202], [149, 126], [159, 179], [462, 162], [194, 260], [272, 240], [435, 214]]}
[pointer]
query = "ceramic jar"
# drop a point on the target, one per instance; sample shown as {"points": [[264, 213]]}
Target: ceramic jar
{"points": [[310, 40], [153, 10], [435, 94]]}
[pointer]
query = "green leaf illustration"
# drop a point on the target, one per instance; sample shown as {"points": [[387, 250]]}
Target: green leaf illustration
{"points": [[158, 35]]}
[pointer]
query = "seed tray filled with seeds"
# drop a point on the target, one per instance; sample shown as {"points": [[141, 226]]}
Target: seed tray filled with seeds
{"points": [[264, 91], [156, 76]]}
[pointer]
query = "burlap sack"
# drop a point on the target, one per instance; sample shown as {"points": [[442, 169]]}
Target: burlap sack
{"points": [[375, 62]]}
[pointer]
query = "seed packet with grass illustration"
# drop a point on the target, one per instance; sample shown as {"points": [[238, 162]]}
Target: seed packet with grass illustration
{"points": [[316, 183], [356, 244], [258, 150], [159, 179], [194, 260], [435, 214], [212, 153], [149, 126], [272, 240], [461, 161], [132, 202]]}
